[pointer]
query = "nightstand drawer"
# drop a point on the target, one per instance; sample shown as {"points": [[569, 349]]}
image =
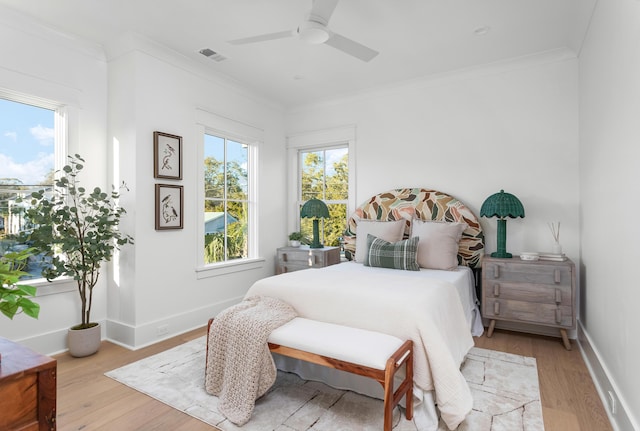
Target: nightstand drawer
{"points": [[302, 257], [536, 293], [522, 311], [537, 273]]}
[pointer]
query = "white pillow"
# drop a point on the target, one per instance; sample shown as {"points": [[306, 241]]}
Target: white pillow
{"points": [[438, 244], [391, 231]]}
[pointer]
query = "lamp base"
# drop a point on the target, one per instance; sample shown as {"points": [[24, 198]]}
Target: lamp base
{"points": [[315, 243], [502, 254]]}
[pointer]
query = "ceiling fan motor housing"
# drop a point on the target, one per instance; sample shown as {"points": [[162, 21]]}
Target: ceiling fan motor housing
{"points": [[313, 32]]}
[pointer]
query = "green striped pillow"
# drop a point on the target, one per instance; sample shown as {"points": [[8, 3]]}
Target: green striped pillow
{"points": [[395, 255]]}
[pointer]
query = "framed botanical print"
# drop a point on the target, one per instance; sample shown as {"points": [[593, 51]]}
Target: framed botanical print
{"points": [[169, 206], [167, 155]]}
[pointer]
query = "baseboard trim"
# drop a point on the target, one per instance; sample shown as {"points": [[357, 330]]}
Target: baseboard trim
{"points": [[138, 337], [53, 342], [621, 420]]}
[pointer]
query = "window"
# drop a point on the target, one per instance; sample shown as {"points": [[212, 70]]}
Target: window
{"points": [[324, 175], [226, 199], [30, 145], [322, 164], [227, 238]]}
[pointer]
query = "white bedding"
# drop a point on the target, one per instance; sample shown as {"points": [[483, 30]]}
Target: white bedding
{"points": [[420, 305]]}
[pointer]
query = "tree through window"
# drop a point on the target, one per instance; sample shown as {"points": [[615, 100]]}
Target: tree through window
{"points": [[226, 199], [27, 156], [325, 176]]}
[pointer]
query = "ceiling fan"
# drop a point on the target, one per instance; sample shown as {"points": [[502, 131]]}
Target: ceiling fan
{"points": [[315, 30]]}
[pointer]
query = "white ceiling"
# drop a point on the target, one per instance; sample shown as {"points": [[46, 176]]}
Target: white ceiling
{"points": [[415, 38]]}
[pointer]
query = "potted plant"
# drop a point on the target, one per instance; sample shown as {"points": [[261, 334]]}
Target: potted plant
{"points": [[78, 230], [296, 238], [14, 297]]}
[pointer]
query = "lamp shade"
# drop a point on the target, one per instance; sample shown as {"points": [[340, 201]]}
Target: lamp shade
{"points": [[315, 209], [502, 205]]}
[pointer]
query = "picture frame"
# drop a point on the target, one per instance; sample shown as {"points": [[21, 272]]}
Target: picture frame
{"points": [[167, 156], [169, 206]]}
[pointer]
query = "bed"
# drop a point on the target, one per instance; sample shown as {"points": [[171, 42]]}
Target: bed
{"points": [[434, 304]]}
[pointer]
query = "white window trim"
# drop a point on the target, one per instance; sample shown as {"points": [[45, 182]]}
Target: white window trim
{"points": [[210, 123], [320, 139], [66, 123]]}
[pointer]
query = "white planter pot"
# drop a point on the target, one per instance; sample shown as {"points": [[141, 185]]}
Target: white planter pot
{"points": [[294, 243], [84, 342]]}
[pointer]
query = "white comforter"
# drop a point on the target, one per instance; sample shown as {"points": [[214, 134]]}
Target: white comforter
{"points": [[395, 302]]}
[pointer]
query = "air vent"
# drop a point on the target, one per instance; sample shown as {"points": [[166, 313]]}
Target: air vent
{"points": [[212, 54]]}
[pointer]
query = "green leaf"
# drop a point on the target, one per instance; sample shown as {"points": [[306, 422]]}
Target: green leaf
{"points": [[9, 309], [29, 307]]}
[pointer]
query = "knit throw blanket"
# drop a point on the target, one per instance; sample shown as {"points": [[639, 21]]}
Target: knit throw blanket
{"points": [[240, 368]]}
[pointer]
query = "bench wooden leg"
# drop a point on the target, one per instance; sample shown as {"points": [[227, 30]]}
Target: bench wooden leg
{"points": [[392, 398]]}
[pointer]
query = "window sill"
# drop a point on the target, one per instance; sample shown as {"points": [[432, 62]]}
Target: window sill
{"points": [[53, 287], [223, 268]]}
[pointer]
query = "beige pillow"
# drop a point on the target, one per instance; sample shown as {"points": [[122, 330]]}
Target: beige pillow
{"points": [[438, 244], [391, 231]]}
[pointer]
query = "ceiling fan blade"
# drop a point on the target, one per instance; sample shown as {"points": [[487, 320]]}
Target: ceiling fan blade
{"points": [[351, 47], [321, 10], [262, 38]]}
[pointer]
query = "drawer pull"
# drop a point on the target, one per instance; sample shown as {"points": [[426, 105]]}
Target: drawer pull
{"points": [[558, 315], [496, 308], [558, 296], [496, 290], [556, 275], [284, 257], [496, 271]]}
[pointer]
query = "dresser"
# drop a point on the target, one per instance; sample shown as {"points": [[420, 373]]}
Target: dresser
{"points": [[291, 259], [27, 389], [533, 292]]}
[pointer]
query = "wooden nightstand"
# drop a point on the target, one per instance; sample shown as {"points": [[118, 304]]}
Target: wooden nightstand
{"points": [[296, 258], [534, 292]]}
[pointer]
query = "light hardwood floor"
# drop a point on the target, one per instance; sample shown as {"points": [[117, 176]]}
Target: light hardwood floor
{"points": [[569, 398], [87, 400]]}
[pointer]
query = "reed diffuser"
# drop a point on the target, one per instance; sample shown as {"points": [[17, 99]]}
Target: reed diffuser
{"points": [[555, 231]]}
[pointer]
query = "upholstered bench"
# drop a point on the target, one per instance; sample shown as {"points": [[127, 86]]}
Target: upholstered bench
{"points": [[358, 351]]}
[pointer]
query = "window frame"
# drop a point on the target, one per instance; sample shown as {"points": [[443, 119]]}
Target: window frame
{"points": [[213, 124], [313, 141], [65, 120]]}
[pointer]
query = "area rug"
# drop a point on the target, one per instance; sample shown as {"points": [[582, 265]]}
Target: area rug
{"points": [[504, 388]]}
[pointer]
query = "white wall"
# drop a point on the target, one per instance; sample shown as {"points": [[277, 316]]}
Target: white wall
{"points": [[118, 101], [152, 89], [609, 200], [47, 66], [511, 126]]}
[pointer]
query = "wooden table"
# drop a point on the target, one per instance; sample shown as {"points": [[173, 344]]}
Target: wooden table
{"points": [[27, 389]]}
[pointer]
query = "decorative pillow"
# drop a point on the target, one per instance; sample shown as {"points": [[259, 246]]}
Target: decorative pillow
{"points": [[395, 255], [438, 245], [391, 231]]}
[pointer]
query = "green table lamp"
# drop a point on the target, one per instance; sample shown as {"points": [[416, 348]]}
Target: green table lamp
{"points": [[315, 209], [502, 205]]}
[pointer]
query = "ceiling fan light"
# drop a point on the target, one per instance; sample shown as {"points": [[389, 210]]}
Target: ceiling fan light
{"points": [[313, 32]]}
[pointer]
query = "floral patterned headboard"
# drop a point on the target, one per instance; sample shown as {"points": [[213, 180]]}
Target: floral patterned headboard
{"points": [[424, 204]]}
